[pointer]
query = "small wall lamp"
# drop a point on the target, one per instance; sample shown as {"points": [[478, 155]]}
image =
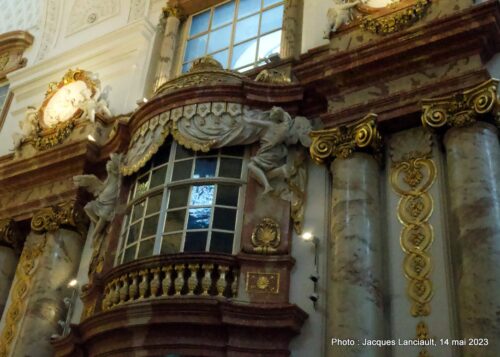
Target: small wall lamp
{"points": [[309, 237]]}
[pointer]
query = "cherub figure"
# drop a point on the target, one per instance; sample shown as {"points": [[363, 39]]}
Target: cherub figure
{"points": [[102, 209], [28, 127], [95, 104], [279, 130], [339, 14]]}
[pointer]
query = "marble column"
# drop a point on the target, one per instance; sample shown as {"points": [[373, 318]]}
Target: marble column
{"points": [[172, 19], [292, 29], [355, 307], [49, 261], [473, 164], [473, 172], [9, 241]]}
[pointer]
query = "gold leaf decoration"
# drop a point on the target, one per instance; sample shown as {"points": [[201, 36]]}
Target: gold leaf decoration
{"points": [[266, 236], [343, 140], [397, 21]]}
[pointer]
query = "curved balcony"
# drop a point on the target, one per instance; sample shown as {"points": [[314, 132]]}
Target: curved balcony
{"points": [[171, 276], [184, 304]]}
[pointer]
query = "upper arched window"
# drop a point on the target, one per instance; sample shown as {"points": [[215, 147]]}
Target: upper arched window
{"points": [[238, 33], [183, 201]]}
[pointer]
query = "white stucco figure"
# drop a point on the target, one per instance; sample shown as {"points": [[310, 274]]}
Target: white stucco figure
{"points": [[103, 208], [27, 126], [280, 130], [95, 104], [339, 14]]}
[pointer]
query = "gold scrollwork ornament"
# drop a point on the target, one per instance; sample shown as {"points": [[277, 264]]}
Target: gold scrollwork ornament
{"points": [[343, 140], [266, 236]]}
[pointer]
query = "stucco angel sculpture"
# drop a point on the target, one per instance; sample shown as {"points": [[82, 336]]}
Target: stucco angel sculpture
{"points": [[279, 131], [339, 14], [28, 127], [103, 208], [95, 104]]}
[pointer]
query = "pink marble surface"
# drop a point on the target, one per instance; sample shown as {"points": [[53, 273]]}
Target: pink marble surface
{"points": [[473, 164]]}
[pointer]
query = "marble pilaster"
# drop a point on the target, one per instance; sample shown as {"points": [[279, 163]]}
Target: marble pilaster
{"points": [[49, 260], [292, 29], [9, 242], [473, 163], [355, 276], [473, 171], [172, 19]]}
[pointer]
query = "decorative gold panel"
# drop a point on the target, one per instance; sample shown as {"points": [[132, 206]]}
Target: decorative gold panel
{"points": [[268, 283], [266, 236]]}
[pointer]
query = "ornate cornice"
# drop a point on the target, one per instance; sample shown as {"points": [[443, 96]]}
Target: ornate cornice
{"points": [[10, 234], [463, 108], [68, 214], [12, 46], [343, 140]]}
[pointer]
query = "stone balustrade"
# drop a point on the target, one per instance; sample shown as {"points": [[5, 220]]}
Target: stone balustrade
{"points": [[171, 276]]}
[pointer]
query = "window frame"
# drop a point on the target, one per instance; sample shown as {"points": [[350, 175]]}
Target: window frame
{"points": [[186, 26], [4, 109], [165, 189]]}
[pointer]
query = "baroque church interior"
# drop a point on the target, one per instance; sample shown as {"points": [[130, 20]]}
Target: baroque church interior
{"points": [[306, 178]]}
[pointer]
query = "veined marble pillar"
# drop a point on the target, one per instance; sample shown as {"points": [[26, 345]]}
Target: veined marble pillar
{"points": [[354, 294], [292, 29], [49, 260], [173, 19], [9, 241], [473, 165]]}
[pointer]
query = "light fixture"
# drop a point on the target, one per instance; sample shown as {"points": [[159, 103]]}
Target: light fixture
{"points": [[307, 236], [91, 138], [73, 283], [144, 100]]}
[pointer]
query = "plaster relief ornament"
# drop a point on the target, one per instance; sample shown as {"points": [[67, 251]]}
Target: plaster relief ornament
{"points": [[279, 131], [75, 99], [28, 127], [101, 211], [338, 15]]}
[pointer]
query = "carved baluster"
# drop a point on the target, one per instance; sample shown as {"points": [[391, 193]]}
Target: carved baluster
{"points": [[193, 279], [206, 281], [106, 300], [234, 285], [144, 285], [167, 281], [179, 281], [133, 288], [222, 283], [155, 283], [124, 289], [116, 291]]}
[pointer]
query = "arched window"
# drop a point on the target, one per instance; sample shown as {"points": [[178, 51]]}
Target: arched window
{"points": [[183, 201]]}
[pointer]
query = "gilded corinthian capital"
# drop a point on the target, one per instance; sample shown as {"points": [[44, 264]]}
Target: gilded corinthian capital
{"points": [[67, 214], [343, 140], [462, 108], [10, 234]]}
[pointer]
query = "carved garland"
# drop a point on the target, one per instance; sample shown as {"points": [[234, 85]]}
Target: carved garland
{"points": [[412, 175], [397, 21], [27, 266]]}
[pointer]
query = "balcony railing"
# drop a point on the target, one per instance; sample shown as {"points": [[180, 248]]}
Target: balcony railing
{"points": [[170, 276]]}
